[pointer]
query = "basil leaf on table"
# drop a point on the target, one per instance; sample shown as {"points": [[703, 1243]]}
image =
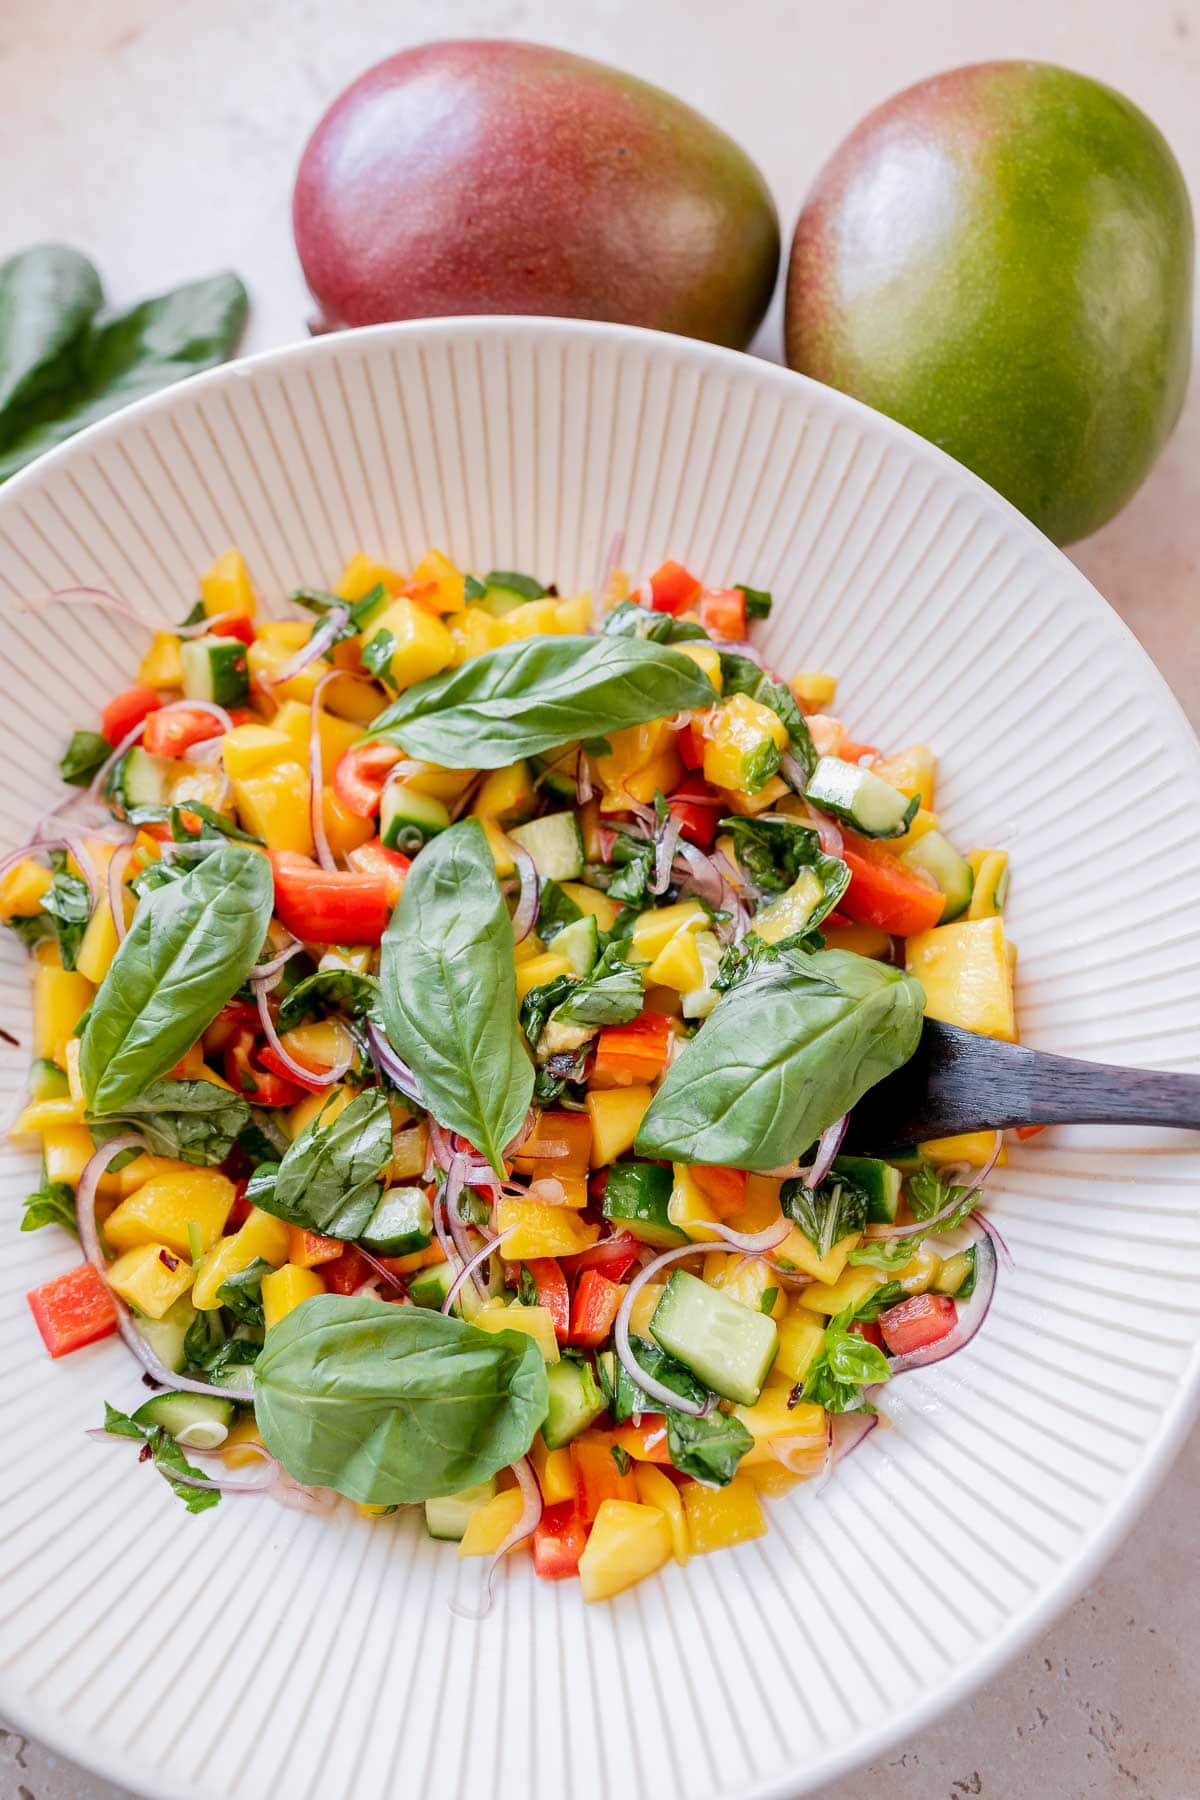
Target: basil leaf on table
{"points": [[191, 1121], [329, 1178], [328, 990], [169, 1459], [742, 675], [52, 1204], [825, 1214], [781, 1057], [537, 694], [108, 361], [394, 1404], [191, 946], [47, 298], [448, 991]]}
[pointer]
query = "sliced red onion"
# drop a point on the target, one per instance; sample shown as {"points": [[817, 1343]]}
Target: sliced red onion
{"points": [[920, 1226], [792, 770], [525, 916], [970, 1320], [393, 1066], [89, 1238], [530, 1120], [526, 1524], [703, 876], [664, 853], [750, 1243], [455, 1182], [848, 1430], [441, 1146], [263, 971], [322, 639], [993, 1231], [294, 1494], [491, 1248], [828, 1145], [205, 754], [382, 1272], [827, 831], [304, 1072], [655, 1390], [202, 627], [87, 596], [226, 1485], [72, 846], [616, 544], [584, 787], [116, 889]]}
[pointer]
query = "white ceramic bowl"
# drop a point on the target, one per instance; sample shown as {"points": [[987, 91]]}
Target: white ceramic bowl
{"points": [[255, 1650]]}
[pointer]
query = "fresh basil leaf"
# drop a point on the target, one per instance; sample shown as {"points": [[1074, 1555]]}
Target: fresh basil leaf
{"points": [[473, 588], [377, 654], [448, 991], [168, 1459], [610, 994], [633, 860], [328, 990], [263, 1139], [843, 1367], [191, 1121], [329, 1179], [217, 821], [622, 1458], [928, 1194], [539, 1003], [742, 675], [69, 905], [556, 910], [527, 1292], [758, 601], [767, 1299], [536, 694], [394, 1404], [889, 1293], [204, 1339], [628, 1399], [48, 296], [242, 1293], [886, 1254], [773, 852], [316, 600], [825, 1214], [31, 928], [708, 1449], [528, 586], [967, 1286], [191, 946], [122, 358], [52, 1204], [83, 756], [780, 1058], [628, 619]]}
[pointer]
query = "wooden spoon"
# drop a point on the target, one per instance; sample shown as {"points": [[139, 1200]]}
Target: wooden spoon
{"points": [[958, 1081]]}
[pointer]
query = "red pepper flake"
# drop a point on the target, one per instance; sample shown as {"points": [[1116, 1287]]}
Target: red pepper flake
{"points": [[167, 1260]]}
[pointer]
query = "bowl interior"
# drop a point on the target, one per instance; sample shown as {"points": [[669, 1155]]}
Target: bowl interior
{"points": [[256, 1649]]}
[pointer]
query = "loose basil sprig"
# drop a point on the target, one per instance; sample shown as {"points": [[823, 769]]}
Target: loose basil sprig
{"points": [[782, 1055], [191, 946], [393, 1404], [448, 991], [536, 694]]}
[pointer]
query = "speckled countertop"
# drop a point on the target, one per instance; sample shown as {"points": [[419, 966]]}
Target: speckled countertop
{"points": [[162, 139]]}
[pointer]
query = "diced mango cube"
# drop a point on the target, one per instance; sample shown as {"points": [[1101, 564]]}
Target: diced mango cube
{"points": [[22, 888], [616, 1114], [814, 690], [990, 869], [678, 964], [797, 1253], [913, 771], [150, 1277], [656, 1489], [66, 1152], [60, 999], [161, 1210], [538, 970], [419, 645], [590, 900], [973, 1147], [237, 1451], [286, 1288], [718, 1517], [654, 930], [226, 587], [780, 1429], [268, 654], [850, 1289], [743, 745], [274, 805], [753, 1283], [554, 1470], [294, 721], [628, 1541], [706, 657], [162, 665], [642, 1310], [573, 615], [362, 573], [260, 1235], [967, 977], [248, 749], [536, 1322], [542, 1230], [491, 1523]]}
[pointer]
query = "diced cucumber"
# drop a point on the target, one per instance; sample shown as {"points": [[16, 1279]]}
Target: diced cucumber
{"points": [[957, 1275], [728, 1347], [401, 1223], [504, 589], [407, 820], [575, 1401], [556, 912], [580, 944], [872, 806], [557, 781], [935, 855], [555, 844], [698, 1002], [879, 1181], [215, 668], [47, 1081], [636, 1197], [429, 1287], [196, 1421], [140, 779], [166, 1336], [238, 1377], [448, 1516]]}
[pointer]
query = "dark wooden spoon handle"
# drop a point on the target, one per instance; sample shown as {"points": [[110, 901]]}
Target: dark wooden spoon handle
{"points": [[958, 1081]]}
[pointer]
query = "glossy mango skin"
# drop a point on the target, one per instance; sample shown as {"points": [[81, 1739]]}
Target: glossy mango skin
{"points": [[492, 177], [1001, 258]]}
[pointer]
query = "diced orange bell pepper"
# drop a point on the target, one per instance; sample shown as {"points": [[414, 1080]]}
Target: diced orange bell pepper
{"points": [[559, 1144], [724, 1189], [597, 1477], [673, 589], [646, 1442], [723, 612], [636, 1052], [308, 1248], [884, 893]]}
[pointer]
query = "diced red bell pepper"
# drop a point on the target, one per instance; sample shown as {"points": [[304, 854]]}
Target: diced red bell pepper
{"points": [[832, 921], [723, 613], [594, 1308], [127, 709], [246, 1077], [239, 626], [552, 1293], [882, 892], [693, 804], [925, 1319], [73, 1309], [347, 1271], [558, 1540], [869, 1329], [171, 732], [1025, 1132], [307, 1249], [673, 589], [269, 1058], [631, 1053], [690, 746], [241, 1208], [325, 906], [724, 1189], [360, 774], [613, 1256], [388, 866], [597, 1476]]}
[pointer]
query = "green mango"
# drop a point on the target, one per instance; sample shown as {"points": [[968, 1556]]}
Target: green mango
{"points": [[1001, 258]]}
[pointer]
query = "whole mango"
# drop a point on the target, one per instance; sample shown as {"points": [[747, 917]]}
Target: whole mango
{"points": [[1001, 258], [494, 177]]}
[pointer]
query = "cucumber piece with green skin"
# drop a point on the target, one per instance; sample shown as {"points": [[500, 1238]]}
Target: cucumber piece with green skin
{"points": [[957, 1275], [936, 856], [429, 1287], [505, 589], [195, 1421], [636, 1198], [215, 668], [873, 807], [575, 1401], [879, 1181], [558, 784], [448, 1516], [556, 911], [555, 844], [579, 943], [166, 1336], [238, 1378], [725, 1345], [140, 779], [47, 1081], [401, 1223], [407, 820]]}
